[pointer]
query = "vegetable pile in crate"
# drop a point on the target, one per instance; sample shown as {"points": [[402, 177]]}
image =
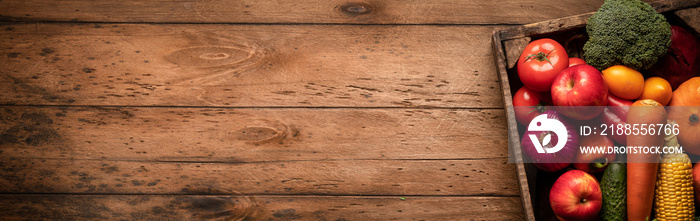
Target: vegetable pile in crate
{"points": [[623, 66]]}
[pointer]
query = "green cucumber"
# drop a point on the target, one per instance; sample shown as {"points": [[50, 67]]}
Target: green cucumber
{"points": [[614, 188]]}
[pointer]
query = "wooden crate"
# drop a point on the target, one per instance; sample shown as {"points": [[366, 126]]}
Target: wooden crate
{"points": [[571, 33]]}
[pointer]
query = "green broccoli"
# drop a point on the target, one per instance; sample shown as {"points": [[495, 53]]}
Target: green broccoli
{"points": [[626, 32]]}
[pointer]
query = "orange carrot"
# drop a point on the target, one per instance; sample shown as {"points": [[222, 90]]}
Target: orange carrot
{"points": [[641, 167]]}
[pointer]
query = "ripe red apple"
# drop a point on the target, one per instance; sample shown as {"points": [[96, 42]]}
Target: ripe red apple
{"points": [[579, 92], [594, 162], [576, 196]]}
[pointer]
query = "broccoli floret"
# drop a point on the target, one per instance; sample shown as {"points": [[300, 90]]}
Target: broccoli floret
{"points": [[626, 32]]}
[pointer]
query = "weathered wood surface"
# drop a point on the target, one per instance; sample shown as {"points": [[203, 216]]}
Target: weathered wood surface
{"points": [[260, 110], [250, 135], [305, 11], [479, 177], [247, 66], [254, 151], [150, 207]]}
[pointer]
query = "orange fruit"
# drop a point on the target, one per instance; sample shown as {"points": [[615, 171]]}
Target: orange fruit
{"points": [[657, 89], [624, 82]]}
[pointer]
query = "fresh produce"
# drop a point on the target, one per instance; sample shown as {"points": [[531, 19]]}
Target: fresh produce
{"points": [[594, 162], [657, 89], [674, 195], [687, 94], [685, 111], [551, 161], [642, 168], [622, 106], [579, 92], [614, 188], [688, 119], [626, 32], [696, 184], [624, 82], [616, 114], [528, 104], [682, 60], [576, 195], [540, 63], [576, 61], [632, 53]]}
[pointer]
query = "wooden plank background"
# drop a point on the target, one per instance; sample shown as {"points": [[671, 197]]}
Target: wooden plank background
{"points": [[257, 110], [247, 66], [303, 11]]}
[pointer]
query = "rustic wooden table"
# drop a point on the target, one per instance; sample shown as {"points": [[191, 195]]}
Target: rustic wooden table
{"points": [[279, 110]]}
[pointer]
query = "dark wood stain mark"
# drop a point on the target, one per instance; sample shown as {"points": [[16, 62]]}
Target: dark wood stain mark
{"points": [[285, 92], [155, 182], [286, 214], [226, 208], [20, 86], [32, 128], [137, 182], [43, 135], [48, 51], [363, 88], [88, 70]]}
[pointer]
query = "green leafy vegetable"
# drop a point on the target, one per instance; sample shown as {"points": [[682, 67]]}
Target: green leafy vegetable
{"points": [[626, 32]]}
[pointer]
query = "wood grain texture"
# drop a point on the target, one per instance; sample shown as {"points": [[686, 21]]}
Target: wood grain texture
{"points": [[479, 177], [305, 11], [250, 135], [149, 207], [247, 66]]}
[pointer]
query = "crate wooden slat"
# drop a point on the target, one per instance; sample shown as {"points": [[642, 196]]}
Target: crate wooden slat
{"points": [[506, 42]]}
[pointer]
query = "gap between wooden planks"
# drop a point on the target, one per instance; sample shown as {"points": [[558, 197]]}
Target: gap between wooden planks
{"points": [[305, 11], [158, 207], [243, 66]]}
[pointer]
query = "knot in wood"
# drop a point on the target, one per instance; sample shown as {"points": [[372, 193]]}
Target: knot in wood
{"points": [[214, 56], [272, 133], [207, 56], [356, 8]]}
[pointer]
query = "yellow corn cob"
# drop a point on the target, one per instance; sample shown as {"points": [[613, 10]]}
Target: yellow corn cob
{"points": [[673, 197]]}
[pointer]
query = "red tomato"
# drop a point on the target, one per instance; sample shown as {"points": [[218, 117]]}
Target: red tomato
{"points": [[540, 63], [528, 104], [576, 61]]}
